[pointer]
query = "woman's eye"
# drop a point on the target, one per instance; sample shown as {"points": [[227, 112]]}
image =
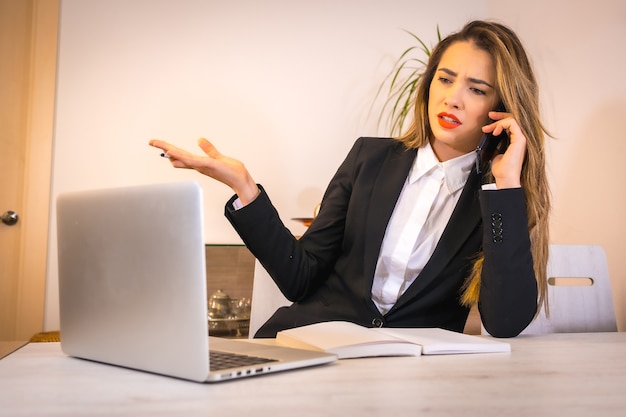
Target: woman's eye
{"points": [[444, 80], [477, 91]]}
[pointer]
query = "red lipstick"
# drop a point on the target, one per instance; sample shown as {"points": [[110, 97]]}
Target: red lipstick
{"points": [[448, 121]]}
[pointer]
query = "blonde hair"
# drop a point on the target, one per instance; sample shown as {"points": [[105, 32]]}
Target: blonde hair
{"points": [[518, 92]]}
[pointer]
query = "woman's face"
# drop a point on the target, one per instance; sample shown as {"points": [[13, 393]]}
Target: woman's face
{"points": [[462, 93]]}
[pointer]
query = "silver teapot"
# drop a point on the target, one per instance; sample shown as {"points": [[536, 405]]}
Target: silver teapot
{"points": [[219, 305]]}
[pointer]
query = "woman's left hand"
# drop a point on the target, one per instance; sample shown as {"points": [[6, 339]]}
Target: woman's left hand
{"points": [[507, 167], [222, 168]]}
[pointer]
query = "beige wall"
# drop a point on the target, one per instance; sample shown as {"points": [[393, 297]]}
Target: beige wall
{"points": [[287, 86]]}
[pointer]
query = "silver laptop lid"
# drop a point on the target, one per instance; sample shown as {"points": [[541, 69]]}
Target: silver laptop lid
{"points": [[132, 281]]}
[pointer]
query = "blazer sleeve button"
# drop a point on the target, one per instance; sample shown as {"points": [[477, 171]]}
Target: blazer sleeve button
{"points": [[496, 227]]}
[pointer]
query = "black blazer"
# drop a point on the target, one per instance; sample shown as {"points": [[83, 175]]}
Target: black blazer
{"points": [[328, 272]]}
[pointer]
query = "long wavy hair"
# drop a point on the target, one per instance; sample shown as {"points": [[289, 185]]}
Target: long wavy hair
{"points": [[517, 89]]}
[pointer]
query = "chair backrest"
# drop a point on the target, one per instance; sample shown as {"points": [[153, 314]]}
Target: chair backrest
{"points": [[579, 292], [266, 298]]}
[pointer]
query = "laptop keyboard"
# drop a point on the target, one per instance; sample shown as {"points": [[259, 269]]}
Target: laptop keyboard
{"points": [[226, 360]]}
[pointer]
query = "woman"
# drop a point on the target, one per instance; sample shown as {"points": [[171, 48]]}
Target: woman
{"points": [[407, 235]]}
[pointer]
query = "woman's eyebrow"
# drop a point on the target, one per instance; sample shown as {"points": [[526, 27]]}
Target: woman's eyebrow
{"points": [[472, 80]]}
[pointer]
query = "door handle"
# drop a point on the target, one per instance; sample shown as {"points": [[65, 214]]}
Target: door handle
{"points": [[9, 218]]}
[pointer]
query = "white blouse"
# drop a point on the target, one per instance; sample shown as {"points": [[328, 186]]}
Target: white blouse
{"points": [[422, 212]]}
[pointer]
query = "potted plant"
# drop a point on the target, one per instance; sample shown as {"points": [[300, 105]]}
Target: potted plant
{"points": [[400, 85]]}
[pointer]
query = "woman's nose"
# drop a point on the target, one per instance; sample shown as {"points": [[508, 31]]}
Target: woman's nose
{"points": [[453, 98]]}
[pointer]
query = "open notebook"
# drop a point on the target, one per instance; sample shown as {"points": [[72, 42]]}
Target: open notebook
{"points": [[132, 286]]}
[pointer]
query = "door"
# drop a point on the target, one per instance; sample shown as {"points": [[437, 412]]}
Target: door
{"points": [[28, 49]]}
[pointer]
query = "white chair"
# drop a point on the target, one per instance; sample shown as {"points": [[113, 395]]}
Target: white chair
{"points": [[579, 292], [266, 298]]}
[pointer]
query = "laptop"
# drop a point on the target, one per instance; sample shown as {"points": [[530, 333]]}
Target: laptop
{"points": [[132, 287]]}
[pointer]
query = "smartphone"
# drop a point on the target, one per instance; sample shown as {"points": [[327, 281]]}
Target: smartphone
{"points": [[489, 146]]}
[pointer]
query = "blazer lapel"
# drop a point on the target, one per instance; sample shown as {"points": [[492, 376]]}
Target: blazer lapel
{"points": [[465, 217], [385, 194]]}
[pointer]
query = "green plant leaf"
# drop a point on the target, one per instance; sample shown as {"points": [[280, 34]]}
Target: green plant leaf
{"points": [[400, 84]]}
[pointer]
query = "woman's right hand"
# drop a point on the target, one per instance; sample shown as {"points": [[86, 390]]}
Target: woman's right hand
{"points": [[215, 165], [507, 167]]}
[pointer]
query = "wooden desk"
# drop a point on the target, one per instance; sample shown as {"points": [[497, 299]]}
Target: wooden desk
{"points": [[553, 375]]}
